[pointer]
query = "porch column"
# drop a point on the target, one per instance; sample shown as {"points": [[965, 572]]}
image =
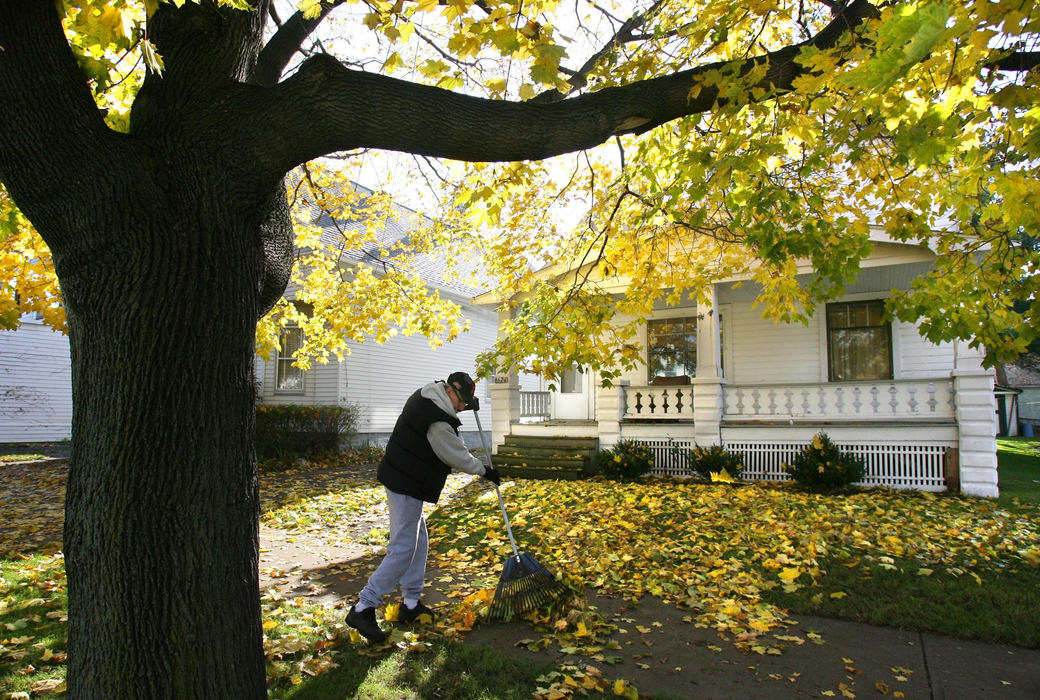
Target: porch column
{"points": [[505, 394], [975, 409], [707, 385], [505, 406], [610, 408]]}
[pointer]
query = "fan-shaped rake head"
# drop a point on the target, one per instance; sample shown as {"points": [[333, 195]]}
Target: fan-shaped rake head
{"points": [[525, 585]]}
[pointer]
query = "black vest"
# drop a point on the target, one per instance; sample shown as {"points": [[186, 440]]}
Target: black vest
{"points": [[410, 466]]}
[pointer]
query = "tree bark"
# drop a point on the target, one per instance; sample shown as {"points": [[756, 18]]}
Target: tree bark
{"points": [[161, 541], [166, 259]]}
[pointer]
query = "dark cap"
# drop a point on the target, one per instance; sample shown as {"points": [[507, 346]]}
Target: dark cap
{"points": [[464, 385]]}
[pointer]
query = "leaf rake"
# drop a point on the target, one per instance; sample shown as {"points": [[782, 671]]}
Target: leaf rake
{"points": [[525, 584]]}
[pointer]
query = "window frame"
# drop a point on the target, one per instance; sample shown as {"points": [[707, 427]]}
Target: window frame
{"points": [[690, 322], [829, 338], [282, 360]]}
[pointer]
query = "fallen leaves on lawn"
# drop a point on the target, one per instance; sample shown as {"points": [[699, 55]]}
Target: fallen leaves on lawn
{"points": [[714, 549], [709, 549]]}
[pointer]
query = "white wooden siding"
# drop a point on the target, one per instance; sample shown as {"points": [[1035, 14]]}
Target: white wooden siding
{"points": [[920, 358], [762, 351], [380, 378], [35, 385]]}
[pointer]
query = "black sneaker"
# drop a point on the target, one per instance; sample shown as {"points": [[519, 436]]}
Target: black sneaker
{"points": [[408, 615], [365, 623]]}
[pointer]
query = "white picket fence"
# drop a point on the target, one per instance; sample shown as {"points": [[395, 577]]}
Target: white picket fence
{"points": [[907, 466]]}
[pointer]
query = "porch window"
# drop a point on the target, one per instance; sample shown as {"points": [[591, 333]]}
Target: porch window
{"points": [[671, 350], [859, 341], [290, 378], [570, 381]]}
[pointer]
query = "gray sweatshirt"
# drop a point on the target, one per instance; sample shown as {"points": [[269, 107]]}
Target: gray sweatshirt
{"points": [[448, 446]]}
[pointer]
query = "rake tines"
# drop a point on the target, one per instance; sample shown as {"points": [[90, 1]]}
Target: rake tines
{"points": [[525, 585]]}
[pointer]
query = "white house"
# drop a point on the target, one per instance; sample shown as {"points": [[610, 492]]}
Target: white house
{"points": [[921, 415], [380, 377], [35, 383]]}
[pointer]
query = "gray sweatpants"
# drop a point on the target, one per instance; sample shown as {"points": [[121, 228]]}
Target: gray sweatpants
{"points": [[405, 560]]}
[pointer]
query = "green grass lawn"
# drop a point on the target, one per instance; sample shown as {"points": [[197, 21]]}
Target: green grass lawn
{"points": [[998, 606], [1019, 460]]}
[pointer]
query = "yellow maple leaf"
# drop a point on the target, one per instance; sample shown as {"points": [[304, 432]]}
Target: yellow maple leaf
{"points": [[789, 574]]}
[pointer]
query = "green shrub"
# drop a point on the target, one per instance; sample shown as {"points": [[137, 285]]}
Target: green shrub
{"points": [[626, 461], [821, 466], [293, 430], [714, 459]]}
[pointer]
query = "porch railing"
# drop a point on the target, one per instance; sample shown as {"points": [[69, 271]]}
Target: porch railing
{"points": [[658, 402], [901, 398], [534, 404]]}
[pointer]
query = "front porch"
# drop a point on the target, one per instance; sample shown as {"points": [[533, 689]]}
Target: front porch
{"points": [[912, 433]]}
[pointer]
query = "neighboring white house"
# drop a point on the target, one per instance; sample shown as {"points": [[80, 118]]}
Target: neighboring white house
{"points": [[35, 384], [380, 377], [921, 415]]}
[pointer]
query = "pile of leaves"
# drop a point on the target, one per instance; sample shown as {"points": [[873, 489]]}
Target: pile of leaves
{"points": [[714, 550]]}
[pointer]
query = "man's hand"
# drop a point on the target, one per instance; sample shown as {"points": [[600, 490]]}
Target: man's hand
{"points": [[492, 475]]}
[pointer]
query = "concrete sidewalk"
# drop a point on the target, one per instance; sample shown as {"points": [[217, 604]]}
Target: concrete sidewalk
{"points": [[675, 659]]}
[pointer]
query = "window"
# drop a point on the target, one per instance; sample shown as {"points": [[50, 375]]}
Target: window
{"points": [[859, 341], [290, 379], [671, 350], [570, 381]]}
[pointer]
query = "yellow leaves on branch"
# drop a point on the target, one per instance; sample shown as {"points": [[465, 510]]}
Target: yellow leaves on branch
{"points": [[358, 272], [27, 272]]}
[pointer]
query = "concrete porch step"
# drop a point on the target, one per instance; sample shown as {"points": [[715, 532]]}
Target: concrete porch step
{"points": [[552, 441], [525, 460], [545, 457], [541, 473]]}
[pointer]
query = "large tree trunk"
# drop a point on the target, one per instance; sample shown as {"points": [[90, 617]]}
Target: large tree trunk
{"points": [[168, 243], [161, 515]]}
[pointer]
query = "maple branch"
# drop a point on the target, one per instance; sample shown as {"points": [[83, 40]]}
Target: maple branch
{"points": [[1019, 61], [281, 47], [357, 109], [290, 36], [625, 33]]}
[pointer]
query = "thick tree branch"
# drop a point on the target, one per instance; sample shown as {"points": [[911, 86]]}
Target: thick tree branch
{"points": [[286, 42], [329, 107], [47, 114], [1019, 61]]}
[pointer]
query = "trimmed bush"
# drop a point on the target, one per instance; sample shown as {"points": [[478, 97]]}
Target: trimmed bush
{"points": [[628, 460], [303, 431], [714, 459], [821, 466]]}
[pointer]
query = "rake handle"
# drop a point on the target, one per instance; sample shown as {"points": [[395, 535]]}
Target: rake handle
{"points": [[501, 503]]}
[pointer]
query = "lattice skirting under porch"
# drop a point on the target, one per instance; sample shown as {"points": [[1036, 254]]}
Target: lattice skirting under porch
{"points": [[908, 466]]}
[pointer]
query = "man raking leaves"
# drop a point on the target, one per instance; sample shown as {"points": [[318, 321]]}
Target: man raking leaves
{"points": [[423, 449]]}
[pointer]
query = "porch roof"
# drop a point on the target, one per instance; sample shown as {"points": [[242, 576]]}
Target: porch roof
{"points": [[887, 251]]}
